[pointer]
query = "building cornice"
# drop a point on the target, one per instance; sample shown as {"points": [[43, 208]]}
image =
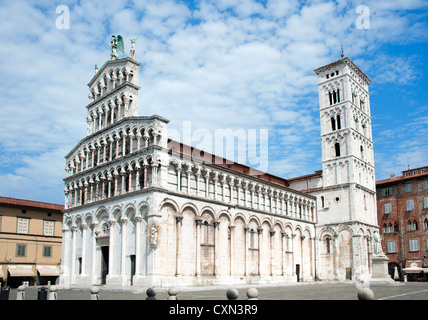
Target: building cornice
{"points": [[349, 63]]}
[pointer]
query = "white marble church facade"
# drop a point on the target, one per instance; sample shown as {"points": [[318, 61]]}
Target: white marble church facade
{"points": [[142, 210]]}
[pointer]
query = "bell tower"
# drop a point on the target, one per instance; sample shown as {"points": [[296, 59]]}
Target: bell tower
{"points": [[348, 177]]}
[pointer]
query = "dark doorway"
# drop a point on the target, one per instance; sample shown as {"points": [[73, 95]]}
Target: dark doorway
{"points": [[348, 273], [104, 263], [298, 272], [132, 258]]}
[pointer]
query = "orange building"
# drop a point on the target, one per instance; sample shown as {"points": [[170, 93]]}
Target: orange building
{"points": [[30, 241], [402, 206]]}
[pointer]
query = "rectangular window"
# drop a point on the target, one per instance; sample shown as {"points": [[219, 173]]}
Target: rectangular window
{"points": [[48, 228], [21, 250], [413, 245], [425, 184], [47, 251], [22, 225], [390, 247], [386, 192], [388, 208], [408, 187], [410, 206], [425, 202]]}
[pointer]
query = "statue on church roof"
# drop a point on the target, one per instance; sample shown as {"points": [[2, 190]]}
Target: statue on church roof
{"points": [[115, 44], [132, 52]]}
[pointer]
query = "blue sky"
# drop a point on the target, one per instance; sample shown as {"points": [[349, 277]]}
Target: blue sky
{"points": [[218, 64]]}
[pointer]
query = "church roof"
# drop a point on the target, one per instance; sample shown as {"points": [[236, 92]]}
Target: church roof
{"points": [[214, 160]]}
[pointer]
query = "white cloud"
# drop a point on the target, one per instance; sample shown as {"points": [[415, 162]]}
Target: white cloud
{"points": [[222, 64]]}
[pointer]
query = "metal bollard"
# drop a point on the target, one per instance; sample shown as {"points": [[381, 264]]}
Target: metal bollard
{"points": [[42, 294], [172, 293], [252, 294], [365, 294], [4, 295], [151, 294], [52, 293], [20, 295], [94, 293], [232, 294]]}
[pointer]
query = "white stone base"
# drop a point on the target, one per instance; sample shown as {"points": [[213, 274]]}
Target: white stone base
{"points": [[194, 281], [380, 273]]}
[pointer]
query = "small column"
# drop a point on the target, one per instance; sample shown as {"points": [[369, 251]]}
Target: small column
{"points": [[109, 186], [123, 145], [94, 253], [259, 238], [66, 204], [111, 259], [223, 185], [145, 176], [272, 247], [232, 249], [84, 227], [215, 179], [207, 185], [246, 234], [155, 174], [98, 155], [73, 254], [139, 137], [252, 196], [238, 191], [197, 175], [216, 246], [129, 179], [92, 157], [137, 177], [283, 254], [198, 222], [178, 179], [117, 146], [124, 222], [188, 180], [80, 195], [146, 138], [122, 173], [88, 127], [131, 138], [138, 220], [178, 231]]}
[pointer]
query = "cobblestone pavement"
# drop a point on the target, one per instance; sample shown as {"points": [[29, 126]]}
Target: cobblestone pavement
{"points": [[299, 291]]}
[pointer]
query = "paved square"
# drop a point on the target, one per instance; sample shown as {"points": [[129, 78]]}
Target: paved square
{"points": [[300, 291]]}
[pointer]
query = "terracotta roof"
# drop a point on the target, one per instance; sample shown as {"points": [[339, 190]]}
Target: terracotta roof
{"points": [[224, 163], [316, 174], [30, 203], [402, 178]]}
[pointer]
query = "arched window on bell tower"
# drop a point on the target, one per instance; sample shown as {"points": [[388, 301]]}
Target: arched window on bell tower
{"points": [[337, 149], [334, 96]]}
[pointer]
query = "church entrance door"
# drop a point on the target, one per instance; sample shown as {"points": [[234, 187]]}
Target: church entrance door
{"points": [[132, 258], [298, 272], [104, 263]]}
